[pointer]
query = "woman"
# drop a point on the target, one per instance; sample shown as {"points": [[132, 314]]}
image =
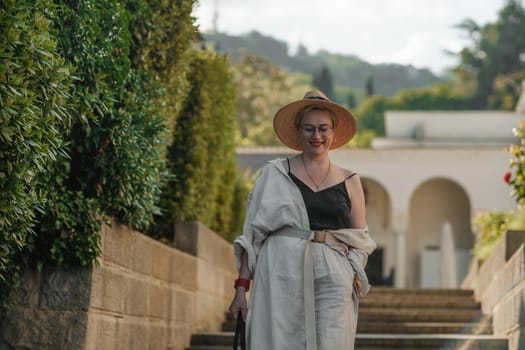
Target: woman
{"points": [[305, 241]]}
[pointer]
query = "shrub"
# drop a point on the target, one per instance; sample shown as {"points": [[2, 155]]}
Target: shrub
{"points": [[34, 84], [202, 152], [116, 141]]}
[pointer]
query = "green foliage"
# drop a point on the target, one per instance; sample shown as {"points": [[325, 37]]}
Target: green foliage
{"points": [[69, 230], [34, 83], [92, 36], [162, 32], [438, 97], [496, 50], [115, 143], [362, 139], [489, 227], [201, 154], [370, 86], [370, 114], [243, 185], [506, 91], [262, 88], [323, 81]]}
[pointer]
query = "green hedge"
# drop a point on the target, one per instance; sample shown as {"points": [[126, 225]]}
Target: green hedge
{"points": [[115, 146], [202, 152], [162, 33], [92, 93], [34, 86]]}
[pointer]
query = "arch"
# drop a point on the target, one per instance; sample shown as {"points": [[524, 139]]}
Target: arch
{"points": [[378, 218], [433, 203]]}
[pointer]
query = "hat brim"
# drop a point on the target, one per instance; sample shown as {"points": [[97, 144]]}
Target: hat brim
{"points": [[286, 131]]}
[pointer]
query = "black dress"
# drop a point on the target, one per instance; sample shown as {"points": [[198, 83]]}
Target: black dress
{"points": [[329, 208]]}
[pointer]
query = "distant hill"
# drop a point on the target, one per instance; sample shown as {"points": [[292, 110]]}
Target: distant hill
{"points": [[347, 70]]}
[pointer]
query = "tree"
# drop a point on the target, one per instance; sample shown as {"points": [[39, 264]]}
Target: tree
{"points": [[369, 86], [497, 49], [351, 102], [262, 88], [324, 82]]}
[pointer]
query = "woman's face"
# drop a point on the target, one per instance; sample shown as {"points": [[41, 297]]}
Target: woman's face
{"points": [[316, 132]]}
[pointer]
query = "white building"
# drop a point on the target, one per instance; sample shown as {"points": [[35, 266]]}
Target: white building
{"points": [[430, 169]]}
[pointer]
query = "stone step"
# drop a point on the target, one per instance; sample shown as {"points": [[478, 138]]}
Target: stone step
{"points": [[483, 327], [220, 341], [413, 297], [419, 291], [419, 315], [430, 341], [389, 302]]}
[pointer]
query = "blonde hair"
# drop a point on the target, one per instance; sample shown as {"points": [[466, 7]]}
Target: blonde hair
{"points": [[309, 108]]}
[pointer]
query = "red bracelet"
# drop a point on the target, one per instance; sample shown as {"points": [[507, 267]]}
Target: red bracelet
{"points": [[242, 282]]}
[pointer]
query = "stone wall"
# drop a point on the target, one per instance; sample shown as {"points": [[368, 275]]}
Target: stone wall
{"points": [[499, 284], [142, 295]]}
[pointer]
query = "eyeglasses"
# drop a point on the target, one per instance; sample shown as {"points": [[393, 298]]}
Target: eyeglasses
{"points": [[311, 129]]}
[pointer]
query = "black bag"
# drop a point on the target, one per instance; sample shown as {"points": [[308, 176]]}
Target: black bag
{"points": [[240, 332]]}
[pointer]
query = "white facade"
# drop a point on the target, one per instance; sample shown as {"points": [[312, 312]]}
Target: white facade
{"points": [[420, 177]]}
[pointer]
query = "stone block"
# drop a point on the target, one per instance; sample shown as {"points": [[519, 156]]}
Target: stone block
{"points": [[206, 277], [136, 297], [139, 335], [108, 289], [158, 335], [66, 289], [196, 239], [28, 293], [207, 317], [186, 236], [117, 240], [504, 280], [184, 270], [25, 328], [159, 301], [183, 306], [517, 339], [161, 256], [123, 335], [509, 313], [102, 331], [141, 260], [180, 336]]}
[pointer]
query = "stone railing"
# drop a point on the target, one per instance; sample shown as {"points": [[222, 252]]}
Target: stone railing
{"points": [[499, 284], [142, 295]]}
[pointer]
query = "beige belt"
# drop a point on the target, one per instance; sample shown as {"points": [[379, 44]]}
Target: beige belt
{"points": [[308, 279]]}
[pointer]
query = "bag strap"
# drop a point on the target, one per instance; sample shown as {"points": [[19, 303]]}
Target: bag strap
{"points": [[240, 332]]}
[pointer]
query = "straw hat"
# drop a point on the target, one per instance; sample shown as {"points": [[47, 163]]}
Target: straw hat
{"points": [[286, 130]]}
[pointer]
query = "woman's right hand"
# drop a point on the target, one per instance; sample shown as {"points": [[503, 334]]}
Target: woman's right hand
{"points": [[239, 303]]}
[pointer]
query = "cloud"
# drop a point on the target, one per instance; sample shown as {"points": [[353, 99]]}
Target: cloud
{"points": [[400, 31]]}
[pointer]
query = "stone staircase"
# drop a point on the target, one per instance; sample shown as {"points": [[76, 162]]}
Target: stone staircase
{"points": [[406, 319]]}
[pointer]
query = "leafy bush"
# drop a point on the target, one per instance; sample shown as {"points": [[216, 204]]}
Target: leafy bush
{"points": [[489, 227], [116, 142], [162, 33], [202, 152], [34, 84]]}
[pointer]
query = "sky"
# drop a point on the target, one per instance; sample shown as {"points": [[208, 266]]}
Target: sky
{"points": [[416, 32]]}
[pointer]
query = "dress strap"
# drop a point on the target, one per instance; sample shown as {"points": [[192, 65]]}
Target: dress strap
{"points": [[349, 176], [289, 167]]}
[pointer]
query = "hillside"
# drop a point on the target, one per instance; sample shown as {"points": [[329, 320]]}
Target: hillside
{"points": [[347, 70]]}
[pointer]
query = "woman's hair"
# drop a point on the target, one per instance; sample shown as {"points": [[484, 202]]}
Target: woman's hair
{"points": [[304, 110]]}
